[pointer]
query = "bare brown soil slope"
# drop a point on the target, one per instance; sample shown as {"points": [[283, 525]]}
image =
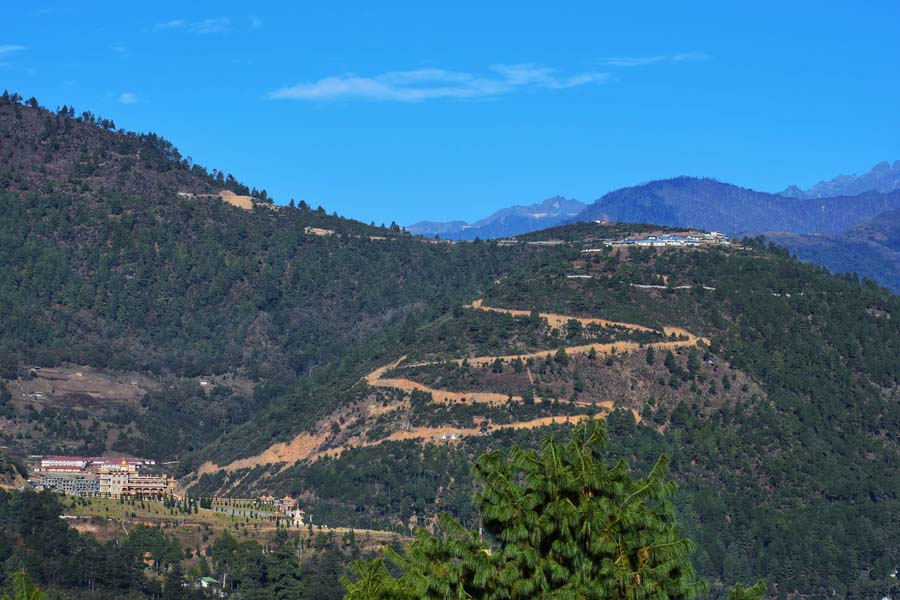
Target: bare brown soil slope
{"points": [[66, 385], [309, 447], [245, 202]]}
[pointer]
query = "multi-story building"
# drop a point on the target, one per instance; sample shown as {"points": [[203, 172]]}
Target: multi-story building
{"points": [[124, 480], [74, 486], [77, 464], [98, 462], [63, 464], [114, 479]]}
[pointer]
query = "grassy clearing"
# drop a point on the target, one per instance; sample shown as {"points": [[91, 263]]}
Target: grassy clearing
{"points": [[107, 517]]}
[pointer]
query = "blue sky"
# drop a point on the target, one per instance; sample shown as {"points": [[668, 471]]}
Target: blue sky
{"points": [[417, 111]]}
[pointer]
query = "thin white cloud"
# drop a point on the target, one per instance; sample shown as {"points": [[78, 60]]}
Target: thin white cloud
{"points": [[53, 12], [173, 24], [128, 98], [641, 61], [7, 49], [690, 56], [206, 26], [429, 84], [256, 22], [121, 49], [201, 27]]}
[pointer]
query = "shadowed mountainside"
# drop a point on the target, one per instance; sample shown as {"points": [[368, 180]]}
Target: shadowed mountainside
{"points": [[870, 250], [883, 177], [713, 205]]}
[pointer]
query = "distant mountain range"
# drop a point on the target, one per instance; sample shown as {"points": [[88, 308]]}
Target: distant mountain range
{"points": [[883, 177], [859, 234], [848, 224], [510, 221], [826, 208], [713, 205]]}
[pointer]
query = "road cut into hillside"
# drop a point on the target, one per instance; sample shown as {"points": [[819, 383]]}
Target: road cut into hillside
{"points": [[303, 446], [443, 433], [559, 321], [676, 337], [307, 446], [376, 379]]}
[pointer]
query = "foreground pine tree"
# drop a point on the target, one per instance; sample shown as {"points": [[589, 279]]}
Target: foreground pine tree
{"points": [[558, 523], [24, 588]]}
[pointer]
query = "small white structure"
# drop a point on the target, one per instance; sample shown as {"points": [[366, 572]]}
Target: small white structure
{"points": [[297, 517]]}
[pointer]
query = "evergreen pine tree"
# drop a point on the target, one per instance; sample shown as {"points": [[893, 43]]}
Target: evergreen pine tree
{"points": [[24, 588], [558, 523]]}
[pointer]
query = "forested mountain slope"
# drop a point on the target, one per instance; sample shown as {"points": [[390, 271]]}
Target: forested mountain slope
{"points": [[884, 230], [871, 249], [61, 153], [843, 254], [813, 227], [780, 424], [356, 368], [177, 288], [713, 205]]}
